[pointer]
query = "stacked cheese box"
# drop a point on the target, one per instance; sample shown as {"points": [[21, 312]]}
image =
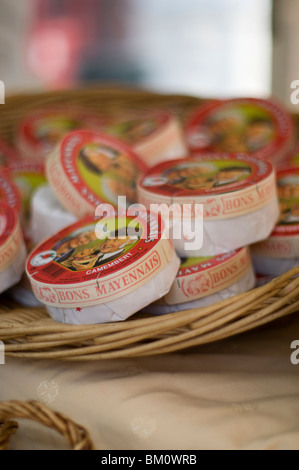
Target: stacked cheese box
{"points": [[101, 218]]}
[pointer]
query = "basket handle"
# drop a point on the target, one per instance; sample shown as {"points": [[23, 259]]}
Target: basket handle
{"points": [[77, 436]]}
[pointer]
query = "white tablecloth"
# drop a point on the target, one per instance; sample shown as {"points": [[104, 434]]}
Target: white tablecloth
{"points": [[242, 393]]}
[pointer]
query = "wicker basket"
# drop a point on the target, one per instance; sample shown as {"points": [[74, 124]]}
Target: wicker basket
{"points": [[32, 333], [76, 435]]}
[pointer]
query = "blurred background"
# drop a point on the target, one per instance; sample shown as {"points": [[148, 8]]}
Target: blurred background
{"points": [[208, 48]]}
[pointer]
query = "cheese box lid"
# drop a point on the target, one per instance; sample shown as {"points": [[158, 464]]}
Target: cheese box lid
{"points": [[228, 185], [244, 125], [88, 169], [41, 130], [95, 261]]}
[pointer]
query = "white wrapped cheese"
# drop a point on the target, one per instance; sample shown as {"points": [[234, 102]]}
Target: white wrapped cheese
{"points": [[105, 270], [47, 215], [279, 253], [205, 281], [272, 266], [237, 194]]}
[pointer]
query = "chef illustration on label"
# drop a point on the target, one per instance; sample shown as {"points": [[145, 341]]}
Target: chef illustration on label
{"points": [[84, 250], [109, 168], [199, 175]]}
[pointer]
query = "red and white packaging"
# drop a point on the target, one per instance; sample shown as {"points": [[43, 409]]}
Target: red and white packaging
{"points": [[204, 281], [258, 127], [98, 271], [88, 169], [237, 194], [41, 130], [280, 252], [154, 136]]}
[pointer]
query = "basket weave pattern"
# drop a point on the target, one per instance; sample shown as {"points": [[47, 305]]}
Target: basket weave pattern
{"points": [[76, 435]]}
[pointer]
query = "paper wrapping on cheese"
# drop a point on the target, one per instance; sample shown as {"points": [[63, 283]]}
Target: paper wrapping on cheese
{"points": [[88, 169], [47, 215], [258, 127], [203, 281], [272, 266], [12, 248], [23, 295], [41, 130], [120, 309], [154, 136], [283, 242], [237, 194], [106, 269]]}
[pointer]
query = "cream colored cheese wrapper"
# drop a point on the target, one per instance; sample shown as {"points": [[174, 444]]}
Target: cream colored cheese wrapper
{"points": [[223, 236], [120, 309], [243, 285], [12, 249], [47, 215], [202, 281], [273, 266]]}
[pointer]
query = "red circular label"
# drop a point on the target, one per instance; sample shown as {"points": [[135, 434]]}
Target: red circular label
{"points": [[94, 248], [205, 174], [246, 125], [100, 167], [8, 222], [9, 193], [137, 127], [42, 130], [288, 194]]}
